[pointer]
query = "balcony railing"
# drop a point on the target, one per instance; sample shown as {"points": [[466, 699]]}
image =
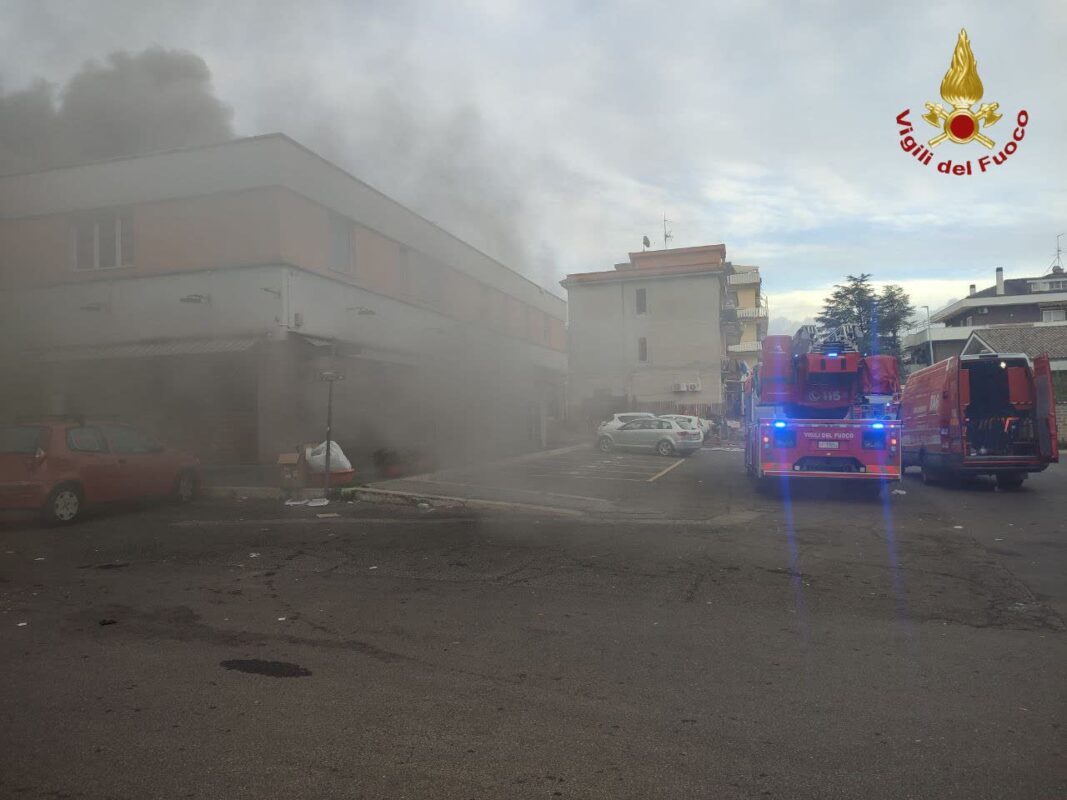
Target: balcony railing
{"points": [[743, 278], [745, 347], [752, 313]]}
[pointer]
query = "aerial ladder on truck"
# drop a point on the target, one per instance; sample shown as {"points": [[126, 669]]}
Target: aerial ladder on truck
{"points": [[817, 408]]}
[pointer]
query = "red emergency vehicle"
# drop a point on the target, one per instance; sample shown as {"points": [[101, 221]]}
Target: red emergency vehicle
{"points": [[817, 408], [988, 414]]}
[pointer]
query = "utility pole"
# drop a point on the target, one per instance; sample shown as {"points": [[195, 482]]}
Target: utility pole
{"points": [[331, 378], [667, 236], [929, 335]]}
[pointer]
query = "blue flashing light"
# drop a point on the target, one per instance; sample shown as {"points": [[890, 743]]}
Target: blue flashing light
{"points": [[878, 425], [832, 355], [779, 424]]}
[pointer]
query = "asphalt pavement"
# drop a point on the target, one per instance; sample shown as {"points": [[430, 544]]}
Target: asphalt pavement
{"points": [[683, 636]]}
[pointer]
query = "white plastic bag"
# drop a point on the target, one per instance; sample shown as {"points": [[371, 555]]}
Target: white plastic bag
{"points": [[316, 458]]}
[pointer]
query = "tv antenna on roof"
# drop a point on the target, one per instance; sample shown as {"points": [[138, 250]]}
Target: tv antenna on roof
{"points": [[667, 235], [1057, 265]]}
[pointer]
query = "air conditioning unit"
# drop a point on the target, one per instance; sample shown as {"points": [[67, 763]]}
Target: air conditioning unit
{"points": [[692, 387], [678, 387]]}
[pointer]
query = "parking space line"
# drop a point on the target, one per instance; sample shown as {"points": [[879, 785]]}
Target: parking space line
{"points": [[596, 478], [660, 474]]}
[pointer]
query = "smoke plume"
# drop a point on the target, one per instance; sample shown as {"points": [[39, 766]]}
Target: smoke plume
{"points": [[132, 103]]}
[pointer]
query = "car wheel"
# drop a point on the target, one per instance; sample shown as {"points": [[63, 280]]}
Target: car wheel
{"points": [[185, 487], [64, 504], [605, 445], [665, 448], [1010, 480]]}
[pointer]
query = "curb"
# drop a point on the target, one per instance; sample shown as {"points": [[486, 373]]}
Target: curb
{"points": [[254, 492], [392, 497]]}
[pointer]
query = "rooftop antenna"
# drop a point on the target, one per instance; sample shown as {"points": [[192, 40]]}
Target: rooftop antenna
{"points": [[1057, 265], [667, 235]]}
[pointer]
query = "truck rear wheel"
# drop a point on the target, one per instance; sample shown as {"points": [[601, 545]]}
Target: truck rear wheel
{"points": [[1010, 480]]}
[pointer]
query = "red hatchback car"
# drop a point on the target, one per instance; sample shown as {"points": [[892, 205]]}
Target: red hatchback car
{"points": [[61, 466]]}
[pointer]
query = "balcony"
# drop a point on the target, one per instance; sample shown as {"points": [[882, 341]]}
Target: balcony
{"points": [[745, 347], [746, 278], [760, 312]]}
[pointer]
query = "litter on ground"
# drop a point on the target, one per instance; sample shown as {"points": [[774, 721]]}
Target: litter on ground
{"points": [[295, 502]]}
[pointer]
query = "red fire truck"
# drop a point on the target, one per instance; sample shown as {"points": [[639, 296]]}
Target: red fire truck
{"points": [[815, 407]]}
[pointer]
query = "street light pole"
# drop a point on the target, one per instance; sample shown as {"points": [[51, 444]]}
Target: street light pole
{"points": [[331, 378], [929, 336]]}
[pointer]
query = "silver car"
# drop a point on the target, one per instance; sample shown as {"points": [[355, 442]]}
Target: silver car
{"points": [[664, 436], [616, 421], [698, 423]]}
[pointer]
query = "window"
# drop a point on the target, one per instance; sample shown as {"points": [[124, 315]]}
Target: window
{"points": [[1054, 315], [642, 349], [642, 302], [340, 243], [126, 440], [23, 439], [1057, 285], [86, 440], [665, 425], [103, 241]]}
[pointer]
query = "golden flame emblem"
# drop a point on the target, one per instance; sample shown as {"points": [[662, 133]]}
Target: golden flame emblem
{"points": [[962, 88]]}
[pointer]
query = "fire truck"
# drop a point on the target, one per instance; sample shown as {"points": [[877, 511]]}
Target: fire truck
{"points": [[815, 407]]}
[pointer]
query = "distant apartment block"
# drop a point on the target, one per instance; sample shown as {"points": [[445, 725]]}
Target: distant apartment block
{"points": [[654, 332], [1038, 301]]}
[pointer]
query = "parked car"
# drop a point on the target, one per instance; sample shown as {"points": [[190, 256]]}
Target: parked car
{"points": [[663, 436], [60, 467], [701, 425], [616, 421]]}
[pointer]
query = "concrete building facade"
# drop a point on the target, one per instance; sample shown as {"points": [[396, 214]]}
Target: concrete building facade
{"points": [[1039, 301], [200, 292], [652, 333]]}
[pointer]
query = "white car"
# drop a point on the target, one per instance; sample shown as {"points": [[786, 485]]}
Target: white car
{"points": [[664, 436], [616, 421], [699, 424]]}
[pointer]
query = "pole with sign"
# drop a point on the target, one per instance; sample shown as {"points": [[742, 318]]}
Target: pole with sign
{"points": [[331, 378]]}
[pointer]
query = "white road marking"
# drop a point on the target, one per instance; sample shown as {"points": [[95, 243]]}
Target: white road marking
{"points": [[660, 474]]}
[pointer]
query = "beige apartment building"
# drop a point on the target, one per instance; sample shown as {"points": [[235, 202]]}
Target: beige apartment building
{"points": [[654, 333], [201, 292]]}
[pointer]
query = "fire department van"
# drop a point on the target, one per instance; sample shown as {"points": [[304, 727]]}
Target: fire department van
{"points": [[989, 414]]}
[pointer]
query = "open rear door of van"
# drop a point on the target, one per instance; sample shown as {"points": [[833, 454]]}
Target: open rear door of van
{"points": [[1045, 409]]}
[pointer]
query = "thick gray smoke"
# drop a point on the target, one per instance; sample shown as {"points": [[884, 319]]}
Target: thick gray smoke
{"points": [[132, 103]]}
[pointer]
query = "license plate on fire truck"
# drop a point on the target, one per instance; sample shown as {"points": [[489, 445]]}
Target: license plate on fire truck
{"points": [[825, 445]]}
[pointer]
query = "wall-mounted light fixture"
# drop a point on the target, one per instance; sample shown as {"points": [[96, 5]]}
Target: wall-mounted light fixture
{"points": [[195, 298], [276, 292]]}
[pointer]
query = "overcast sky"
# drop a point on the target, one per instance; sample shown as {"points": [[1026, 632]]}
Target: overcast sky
{"points": [[556, 135]]}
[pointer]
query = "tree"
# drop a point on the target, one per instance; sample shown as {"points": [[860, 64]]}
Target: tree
{"points": [[878, 317]]}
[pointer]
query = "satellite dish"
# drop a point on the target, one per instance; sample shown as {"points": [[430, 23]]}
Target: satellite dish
{"points": [[646, 242]]}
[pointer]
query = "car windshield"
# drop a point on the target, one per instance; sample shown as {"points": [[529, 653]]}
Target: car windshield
{"points": [[22, 438]]}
